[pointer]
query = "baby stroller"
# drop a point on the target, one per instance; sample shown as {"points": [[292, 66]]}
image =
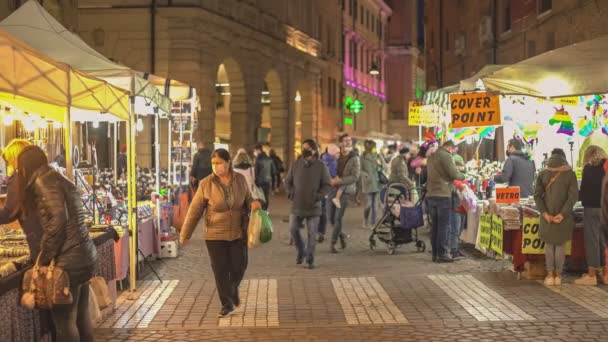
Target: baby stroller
{"points": [[401, 216]]}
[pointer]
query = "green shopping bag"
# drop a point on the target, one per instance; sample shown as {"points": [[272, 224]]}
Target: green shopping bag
{"points": [[266, 229]]}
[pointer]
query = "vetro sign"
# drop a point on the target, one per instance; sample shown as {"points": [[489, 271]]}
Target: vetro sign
{"points": [[474, 110]]}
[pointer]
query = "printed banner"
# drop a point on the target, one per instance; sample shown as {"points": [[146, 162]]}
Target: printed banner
{"points": [[422, 115], [508, 195], [564, 101], [485, 230], [497, 234], [531, 242], [475, 110]]}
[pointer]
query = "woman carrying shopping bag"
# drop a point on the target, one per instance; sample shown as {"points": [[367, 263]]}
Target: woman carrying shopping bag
{"points": [[225, 200]]}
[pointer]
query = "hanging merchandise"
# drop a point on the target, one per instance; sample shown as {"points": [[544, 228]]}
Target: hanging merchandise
{"points": [[530, 132], [585, 127], [562, 117]]}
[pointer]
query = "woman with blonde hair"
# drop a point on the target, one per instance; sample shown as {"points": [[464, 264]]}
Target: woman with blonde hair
{"points": [[11, 210], [590, 194], [242, 164]]}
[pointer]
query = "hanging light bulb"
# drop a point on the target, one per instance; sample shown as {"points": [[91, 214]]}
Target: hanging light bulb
{"points": [[139, 125], [95, 124], [7, 119], [56, 124]]}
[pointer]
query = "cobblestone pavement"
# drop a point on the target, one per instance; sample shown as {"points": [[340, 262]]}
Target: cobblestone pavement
{"points": [[356, 295]]}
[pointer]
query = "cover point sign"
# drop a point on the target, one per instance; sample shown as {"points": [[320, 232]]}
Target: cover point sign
{"points": [[475, 110]]}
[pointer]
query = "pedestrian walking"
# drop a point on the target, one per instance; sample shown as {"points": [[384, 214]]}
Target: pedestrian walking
{"points": [[590, 194], [441, 173], [349, 169], [243, 165], [264, 169], [225, 200], [306, 183], [518, 169], [48, 196], [279, 168], [555, 195], [373, 170], [201, 166], [330, 159]]}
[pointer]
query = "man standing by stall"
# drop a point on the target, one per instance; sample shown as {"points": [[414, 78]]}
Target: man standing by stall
{"points": [[518, 169], [201, 165], [441, 172]]}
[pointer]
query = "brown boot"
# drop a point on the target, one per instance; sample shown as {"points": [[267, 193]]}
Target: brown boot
{"points": [[549, 280], [588, 279]]}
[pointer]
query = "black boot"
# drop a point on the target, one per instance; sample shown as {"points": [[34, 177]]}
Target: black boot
{"points": [[343, 241], [332, 248]]}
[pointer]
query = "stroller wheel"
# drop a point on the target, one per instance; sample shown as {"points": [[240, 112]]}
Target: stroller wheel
{"points": [[421, 246], [372, 243], [390, 247]]}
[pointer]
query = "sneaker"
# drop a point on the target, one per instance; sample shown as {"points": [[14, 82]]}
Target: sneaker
{"points": [[557, 280], [586, 279], [336, 202], [458, 256], [225, 312], [332, 248], [601, 277], [321, 238], [311, 265], [444, 259], [549, 280], [299, 260]]}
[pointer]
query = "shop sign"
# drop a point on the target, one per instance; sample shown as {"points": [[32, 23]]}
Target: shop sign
{"points": [[353, 105], [508, 195], [475, 110], [485, 231], [422, 115], [531, 242], [563, 101], [497, 234]]}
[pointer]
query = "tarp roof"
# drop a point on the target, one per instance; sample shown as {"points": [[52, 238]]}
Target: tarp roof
{"points": [[32, 24], [470, 84], [440, 97], [577, 69], [37, 84]]}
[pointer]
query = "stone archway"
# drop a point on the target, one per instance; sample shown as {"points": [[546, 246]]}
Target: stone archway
{"points": [[230, 105], [275, 113], [304, 112]]}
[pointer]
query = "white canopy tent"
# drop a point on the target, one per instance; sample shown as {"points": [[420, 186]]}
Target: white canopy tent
{"points": [[573, 70], [474, 82]]}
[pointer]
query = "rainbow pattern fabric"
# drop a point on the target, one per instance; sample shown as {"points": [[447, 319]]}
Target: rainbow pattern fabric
{"points": [[563, 118]]}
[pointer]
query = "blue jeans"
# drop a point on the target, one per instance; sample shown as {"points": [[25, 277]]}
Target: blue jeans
{"points": [[440, 209], [323, 218], [335, 215], [312, 224], [457, 220], [369, 214]]}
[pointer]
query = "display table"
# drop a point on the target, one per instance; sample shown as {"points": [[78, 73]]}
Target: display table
{"points": [[19, 324]]}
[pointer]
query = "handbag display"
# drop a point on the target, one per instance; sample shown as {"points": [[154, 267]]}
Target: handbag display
{"points": [[45, 286]]}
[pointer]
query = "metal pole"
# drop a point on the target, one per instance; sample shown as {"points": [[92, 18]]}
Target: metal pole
{"points": [[157, 154], [116, 151], [67, 122], [132, 197]]}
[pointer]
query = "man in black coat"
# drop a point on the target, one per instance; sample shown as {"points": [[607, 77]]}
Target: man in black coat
{"points": [[264, 169], [201, 165]]}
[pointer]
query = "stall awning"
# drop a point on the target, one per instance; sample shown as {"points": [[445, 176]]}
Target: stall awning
{"points": [[471, 83], [173, 89], [37, 84], [577, 69], [440, 97], [32, 24]]}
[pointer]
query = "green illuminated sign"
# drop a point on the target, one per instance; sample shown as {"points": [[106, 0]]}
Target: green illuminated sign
{"points": [[348, 121], [354, 106]]}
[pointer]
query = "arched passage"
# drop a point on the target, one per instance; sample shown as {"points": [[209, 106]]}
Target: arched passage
{"points": [[230, 114], [304, 107], [275, 114]]}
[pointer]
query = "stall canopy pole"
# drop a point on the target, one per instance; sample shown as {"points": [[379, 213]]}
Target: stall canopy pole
{"points": [[157, 166], [169, 148], [116, 151], [132, 196], [67, 123]]}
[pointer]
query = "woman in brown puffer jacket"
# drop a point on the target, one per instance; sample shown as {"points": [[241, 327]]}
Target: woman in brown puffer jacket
{"points": [[224, 198], [57, 203]]}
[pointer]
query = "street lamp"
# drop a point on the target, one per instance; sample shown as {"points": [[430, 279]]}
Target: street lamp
{"points": [[374, 69]]}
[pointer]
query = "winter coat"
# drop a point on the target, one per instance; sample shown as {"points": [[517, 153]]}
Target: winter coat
{"points": [[441, 172], [350, 174], [331, 163], [307, 182], [30, 224], [65, 238], [590, 193], [518, 171], [264, 169], [371, 164], [604, 214], [201, 164], [246, 170], [400, 171], [223, 220], [559, 198]]}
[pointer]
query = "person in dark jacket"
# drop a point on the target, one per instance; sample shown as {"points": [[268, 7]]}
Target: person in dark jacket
{"points": [[330, 159], [11, 210], [121, 162], [201, 166], [555, 195], [591, 195], [60, 158], [264, 169], [278, 168], [518, 170], [307, 183], [48, 195]]}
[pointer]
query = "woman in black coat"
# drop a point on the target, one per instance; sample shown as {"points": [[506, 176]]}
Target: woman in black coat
{"points": [[56, 201]]}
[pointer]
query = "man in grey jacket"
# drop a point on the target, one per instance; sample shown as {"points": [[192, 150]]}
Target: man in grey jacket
{"points": [[307, 182], [349, 169], [518, 169]]}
